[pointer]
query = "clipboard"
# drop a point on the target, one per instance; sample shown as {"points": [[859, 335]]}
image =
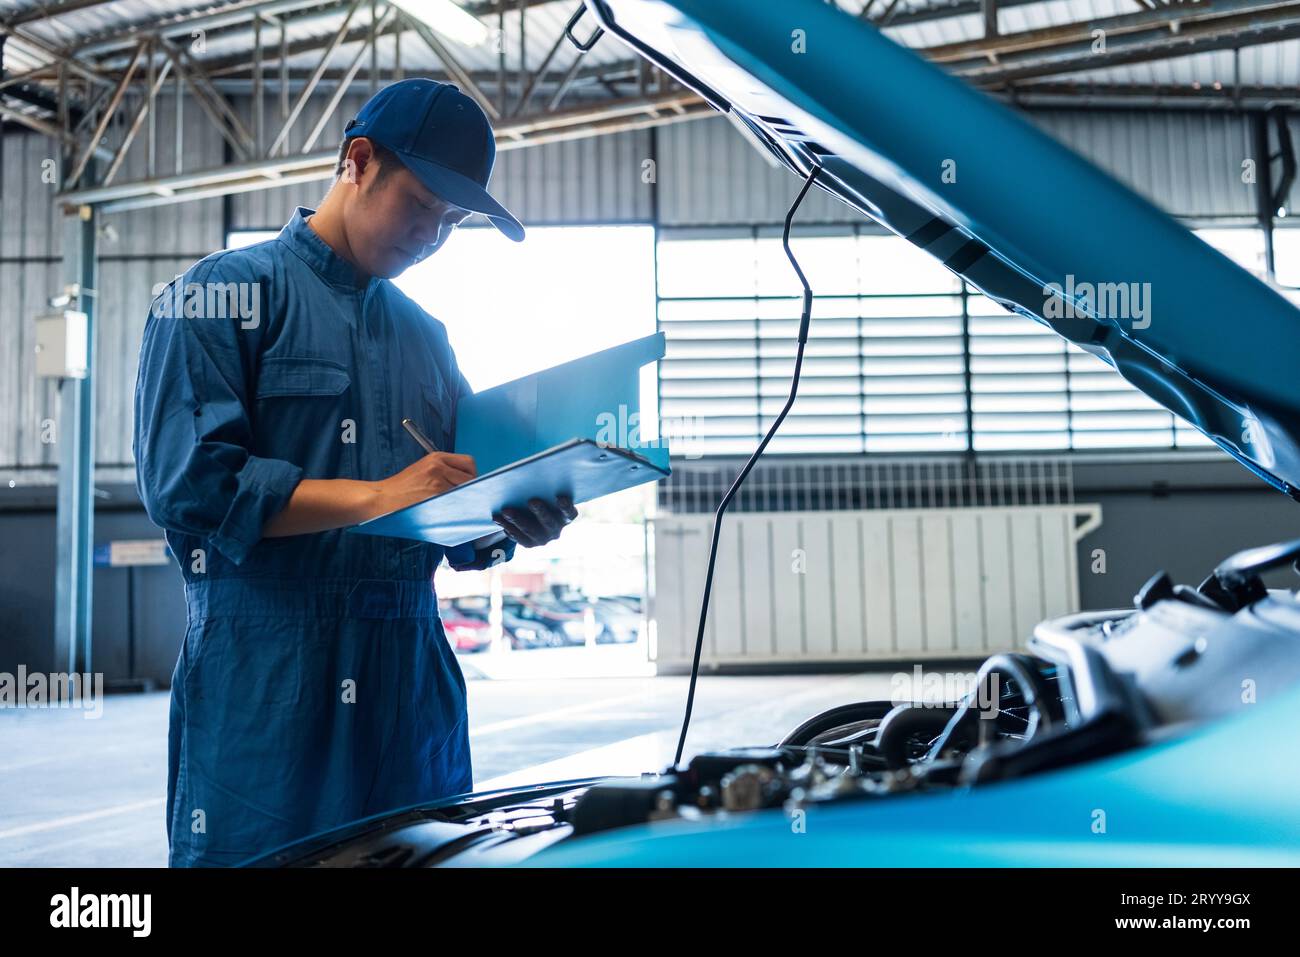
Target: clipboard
{"points": [[572, 429], [581, 469]]}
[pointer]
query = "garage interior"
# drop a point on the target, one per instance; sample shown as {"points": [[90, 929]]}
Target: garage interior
{"points": [[950, 476]]}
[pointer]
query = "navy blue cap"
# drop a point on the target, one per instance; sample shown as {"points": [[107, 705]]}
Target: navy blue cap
{"points": [[443, 137]]}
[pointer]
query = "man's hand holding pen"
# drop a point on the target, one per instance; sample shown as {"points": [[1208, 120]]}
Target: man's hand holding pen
{"points": [[535, 524]]}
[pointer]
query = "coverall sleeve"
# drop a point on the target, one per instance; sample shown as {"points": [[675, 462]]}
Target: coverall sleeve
{"points": [[194, 471], [490, 549], [472, 556]]}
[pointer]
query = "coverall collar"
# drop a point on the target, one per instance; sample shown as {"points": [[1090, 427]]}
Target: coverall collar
{"points": [[318, 254]]}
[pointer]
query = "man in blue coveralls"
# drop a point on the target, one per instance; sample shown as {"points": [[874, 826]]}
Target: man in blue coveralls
{"points": [[315, 684]]}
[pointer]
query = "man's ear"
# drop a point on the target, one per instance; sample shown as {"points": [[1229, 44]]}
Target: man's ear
{"points": [[359, 160]]}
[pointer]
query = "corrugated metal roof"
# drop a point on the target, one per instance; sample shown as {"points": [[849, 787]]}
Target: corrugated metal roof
{"points": [[933, 33], [1017, 19], [1055, 13], [65, 28], [542, 25], [1270, 65], [1273, 64]]}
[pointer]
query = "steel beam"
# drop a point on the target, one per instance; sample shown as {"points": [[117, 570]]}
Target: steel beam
{"points": [[990, 18], [342, 88], [452, 66], [75, 440], [45, 127], [47, 72], [212, 102], [1172, 20], [113, 104], [133, 127], [259, 124], [536, 75], [238, 63], [1196, 38], [1162, 96], [283, 137], [232, 14], [278, 171]]}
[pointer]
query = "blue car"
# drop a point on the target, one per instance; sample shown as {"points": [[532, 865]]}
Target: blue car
{"points": [[1157, 735]]}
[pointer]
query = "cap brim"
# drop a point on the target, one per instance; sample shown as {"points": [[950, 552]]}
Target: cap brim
{"points": [[462, 191]]}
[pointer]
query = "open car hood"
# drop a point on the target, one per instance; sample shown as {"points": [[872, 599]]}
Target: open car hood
{"points": [[1026, 221]]}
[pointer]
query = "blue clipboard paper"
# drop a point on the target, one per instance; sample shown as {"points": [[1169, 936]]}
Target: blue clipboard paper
{"points": [[571, 429]]}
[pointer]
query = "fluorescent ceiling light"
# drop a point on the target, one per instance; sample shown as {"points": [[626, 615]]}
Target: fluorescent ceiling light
{"points": [[448, 19]]}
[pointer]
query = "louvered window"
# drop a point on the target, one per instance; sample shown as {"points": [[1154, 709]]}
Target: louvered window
{"points": [[902, 355]]}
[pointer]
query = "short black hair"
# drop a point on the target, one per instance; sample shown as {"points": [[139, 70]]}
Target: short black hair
{"points": [[388, 161]]}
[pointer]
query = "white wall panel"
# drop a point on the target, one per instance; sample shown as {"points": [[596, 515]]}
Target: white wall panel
{"points": [[878, 585]]}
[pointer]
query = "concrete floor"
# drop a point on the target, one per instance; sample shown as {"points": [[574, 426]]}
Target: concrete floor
{"points": [[92, 792]]}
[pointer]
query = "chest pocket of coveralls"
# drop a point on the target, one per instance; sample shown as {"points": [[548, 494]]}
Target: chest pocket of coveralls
{"points": [[305, 415], [438, 410]]}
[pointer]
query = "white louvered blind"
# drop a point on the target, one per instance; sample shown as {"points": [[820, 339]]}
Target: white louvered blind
{"points": [[900, 358]]}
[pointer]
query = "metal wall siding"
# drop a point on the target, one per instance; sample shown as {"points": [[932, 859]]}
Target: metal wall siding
{"points": [[126, 289], [152, 246], [710, 175], [1273, 64], [591, 180], [192, 228], [30, 272], [29, 225], [1293, 199], [707, 174], [25, 401], [1187, 163], [144, 252], [272, 208]]}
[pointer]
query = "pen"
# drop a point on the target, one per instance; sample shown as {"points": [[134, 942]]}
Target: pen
{"points": [[419, 436]]}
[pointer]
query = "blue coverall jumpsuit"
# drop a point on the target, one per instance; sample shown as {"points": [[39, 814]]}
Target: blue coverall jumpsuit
{"points": [[315, 684]]}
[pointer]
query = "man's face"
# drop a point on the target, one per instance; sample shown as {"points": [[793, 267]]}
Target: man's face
{"points": [[396, 222]]}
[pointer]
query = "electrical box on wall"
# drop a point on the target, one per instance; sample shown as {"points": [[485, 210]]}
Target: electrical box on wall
{"points": [[62, 345]]}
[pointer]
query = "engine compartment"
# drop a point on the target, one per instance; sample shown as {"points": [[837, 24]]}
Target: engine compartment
{"points": [[1089, 685]]}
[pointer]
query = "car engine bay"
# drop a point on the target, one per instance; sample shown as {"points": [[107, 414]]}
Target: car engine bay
{"points": [[1089, 685]]}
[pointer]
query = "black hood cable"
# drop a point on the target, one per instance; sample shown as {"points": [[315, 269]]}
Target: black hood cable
{"points": [[735, 486]]}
